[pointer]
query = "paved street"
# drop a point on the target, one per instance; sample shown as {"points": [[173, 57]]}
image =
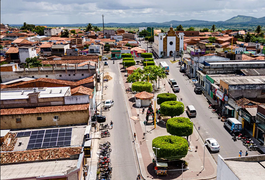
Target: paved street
{"points": [[123, 158], [210, 125]]}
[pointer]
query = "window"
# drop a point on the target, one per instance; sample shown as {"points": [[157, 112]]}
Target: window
{"points": [[73, 74], [56, 117], [18, 120], [32, 76], [82, 74], [60, 75], [171, 43], [19, 76], [262, 92], [46, 75], [39, 118]]}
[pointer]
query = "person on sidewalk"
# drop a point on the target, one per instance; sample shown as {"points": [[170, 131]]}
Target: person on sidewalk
{"points": [[134, 137], [246, 153], [240, 153], [143, 111], [111, 124]]}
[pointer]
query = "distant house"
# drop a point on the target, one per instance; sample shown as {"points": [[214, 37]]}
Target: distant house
{"points": [[12, 55], [26, 52], [108, 33], [95, 49], [52, 31], [46, 49], [59, 49]]}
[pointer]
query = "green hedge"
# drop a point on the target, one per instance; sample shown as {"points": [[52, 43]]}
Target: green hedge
{"points": [[147, 59], [142, 86], [166, 97], [172, 108], [128, 63], [126, 55], [147, 55], [180, 126], [126, 59], [149, 63], [171, 147]]}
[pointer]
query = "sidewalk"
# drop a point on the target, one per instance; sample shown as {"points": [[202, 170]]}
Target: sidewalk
{"points": [[144, 146]]}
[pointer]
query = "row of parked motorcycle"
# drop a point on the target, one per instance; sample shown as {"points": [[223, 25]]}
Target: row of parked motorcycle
{"points": [[247, 142], [104, 162]]}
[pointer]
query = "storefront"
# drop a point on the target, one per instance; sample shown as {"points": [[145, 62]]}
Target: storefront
{"points": [[260, 133], [248, 119]]}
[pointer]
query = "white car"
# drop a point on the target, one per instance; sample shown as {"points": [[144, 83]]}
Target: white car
{"points": [[108, 103], [212, 144]]}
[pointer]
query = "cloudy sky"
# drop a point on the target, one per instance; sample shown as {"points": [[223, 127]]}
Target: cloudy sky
{"points": [[125, 11]]}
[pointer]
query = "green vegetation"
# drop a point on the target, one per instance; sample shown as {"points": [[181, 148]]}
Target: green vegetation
{"points": [[213, 28], [89, 27], [65, 33], [171, 147], [149, 63], [144, 33], [31, 27], [258, 29], [172, 108], [39, 30], [127, 59], [212, 39], [3, 62], [26, 26], [142, 86], [147, 55], [128, 63], [190, 29], [107, 47], [33, 62], [179, 126], [204, 30], [72, 31], [166, 97], [179, 28], [126, 55]]}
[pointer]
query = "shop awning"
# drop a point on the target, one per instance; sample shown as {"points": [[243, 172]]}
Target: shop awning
{"points": [[227, 106], [252, 111], [209, 98]]}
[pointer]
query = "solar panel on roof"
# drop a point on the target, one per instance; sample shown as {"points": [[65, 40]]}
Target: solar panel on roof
{"points": [[23, 134], [50, 138]]}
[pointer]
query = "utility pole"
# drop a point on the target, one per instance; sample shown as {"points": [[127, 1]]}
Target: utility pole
{"points": [[103, 25]]}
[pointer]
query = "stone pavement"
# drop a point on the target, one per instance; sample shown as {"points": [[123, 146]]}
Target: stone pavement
{"points": [[144, 149]]}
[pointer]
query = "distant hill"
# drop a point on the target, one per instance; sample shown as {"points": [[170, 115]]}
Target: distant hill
{"points": [[237, 21]]}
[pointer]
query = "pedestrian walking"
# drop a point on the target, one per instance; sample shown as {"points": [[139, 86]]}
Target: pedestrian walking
{"points": [[134, 137], [240, 153], [111, 124], [246, 153], [143, 111], [138, 177]]}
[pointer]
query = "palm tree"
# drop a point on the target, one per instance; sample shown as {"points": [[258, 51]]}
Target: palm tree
{"points": [[89, 27]]}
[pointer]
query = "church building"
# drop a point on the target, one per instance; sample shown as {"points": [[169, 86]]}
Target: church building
{"points": [[165, 45]]}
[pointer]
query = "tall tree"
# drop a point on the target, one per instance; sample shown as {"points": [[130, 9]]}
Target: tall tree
{"points": [[65, 33], [39, 30], [179, 28], [248, 37], [190, 29], [258, 29], [95, 28], [213, 28], [89, 27]]}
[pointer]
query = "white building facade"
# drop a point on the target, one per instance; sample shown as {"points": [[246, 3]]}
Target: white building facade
{"points": [[26, 52]]}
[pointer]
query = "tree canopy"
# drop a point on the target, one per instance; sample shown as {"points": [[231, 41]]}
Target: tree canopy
{"points": [[172, 108], [179, 126], [258, 29], [190, 29], [89, 27], [65, 33], [33, 62], [204, 30], [213, 28], [144, 33], [212, 39], [179, 28]]}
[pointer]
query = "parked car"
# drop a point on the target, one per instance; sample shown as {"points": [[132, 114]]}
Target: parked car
{"points": [[172, 82], [212, 144], [98, 118], [175, 88], [198, 90], [106, 63], [108, 103], [104, 58], [114, 58]]}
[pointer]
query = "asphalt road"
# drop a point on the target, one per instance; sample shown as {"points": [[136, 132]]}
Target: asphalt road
{"points": [[123, 157], [210, 125]]}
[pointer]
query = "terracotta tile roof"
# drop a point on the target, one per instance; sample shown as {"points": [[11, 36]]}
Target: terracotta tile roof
{"points": [[131, 68], [144, 95], [64, 61], [246, 103], [260, 58], [246, 57], [26, 42], [82, 90], [39, 155], [9, 143], [225, 44], [12, 50], [2, 59], [46, 109], [59, 39], [52, 81], [46, 45], [18, 40]]}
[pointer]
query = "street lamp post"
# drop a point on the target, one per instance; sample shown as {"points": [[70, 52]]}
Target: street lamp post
{"points": [[156, 151], [203, 158], [155, 112]]}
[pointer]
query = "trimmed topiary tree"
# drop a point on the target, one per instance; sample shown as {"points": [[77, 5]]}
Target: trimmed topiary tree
{"points": [[171, 147], [147, 55], [166, 97], [142, 86], [147, 59], [172, 108], [149, 63], [180, 126], [127, 59], [126, 55], [128, 63]]}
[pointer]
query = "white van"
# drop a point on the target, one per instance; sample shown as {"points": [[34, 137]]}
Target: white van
{"points": [[232, 124], [191, 111]]}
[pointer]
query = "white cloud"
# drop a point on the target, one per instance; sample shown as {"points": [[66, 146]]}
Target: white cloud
{"points": [[85, 11]]}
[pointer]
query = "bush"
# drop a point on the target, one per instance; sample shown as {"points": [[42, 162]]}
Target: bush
{"points": [[166, 97], [171, 147], [126, 55], [180, 126], [128, 63], [147, 59], [147, 55], [149, 63], [142, 86], [172, 108], [126, 59]]}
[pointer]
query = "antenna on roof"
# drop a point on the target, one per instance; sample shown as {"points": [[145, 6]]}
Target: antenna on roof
{"points": [[50, 91], [22, 92]]}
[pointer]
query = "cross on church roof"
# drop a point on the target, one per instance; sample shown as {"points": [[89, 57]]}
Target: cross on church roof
{"points": [[170, 25]]}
